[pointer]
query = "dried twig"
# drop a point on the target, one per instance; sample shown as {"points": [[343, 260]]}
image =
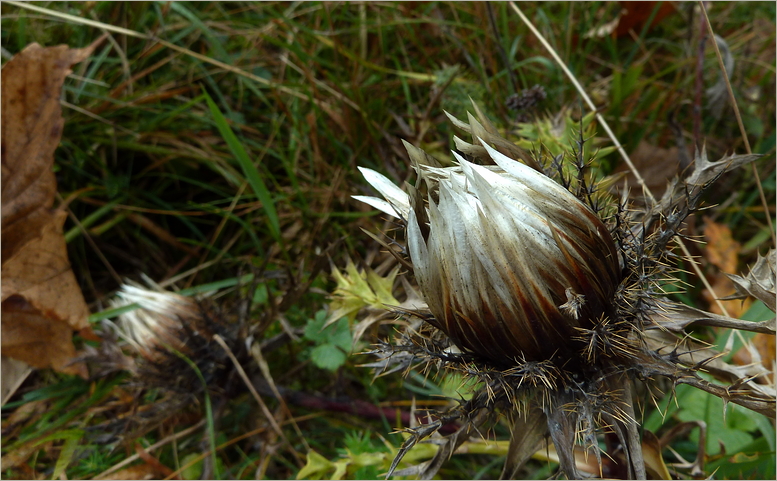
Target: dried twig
{"points": [[244, 377], [151, 448], [742, 131], [618, 146]]}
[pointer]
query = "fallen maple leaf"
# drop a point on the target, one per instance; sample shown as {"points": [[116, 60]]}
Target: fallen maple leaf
{"points": [[42, 303]]}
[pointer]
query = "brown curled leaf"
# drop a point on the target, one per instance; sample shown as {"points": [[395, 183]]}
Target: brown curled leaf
{"points": [[42, 301]]}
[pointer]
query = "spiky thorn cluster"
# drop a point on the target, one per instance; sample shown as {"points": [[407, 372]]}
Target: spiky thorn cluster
{"points": [[579, 405], [572, 397]]}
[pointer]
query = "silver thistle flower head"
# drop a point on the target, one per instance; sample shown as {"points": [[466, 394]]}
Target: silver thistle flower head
{"points": [[554, 300], [510, 263]]}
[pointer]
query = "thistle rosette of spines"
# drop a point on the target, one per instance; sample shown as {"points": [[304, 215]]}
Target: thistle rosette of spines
{"points": [[511, 264]]}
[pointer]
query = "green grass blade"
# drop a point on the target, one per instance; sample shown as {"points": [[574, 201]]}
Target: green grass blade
{"points": [[113, 312], [215, 286], [91, 219], [215, 43], [66, 454], [208, 410], [249, 169]]}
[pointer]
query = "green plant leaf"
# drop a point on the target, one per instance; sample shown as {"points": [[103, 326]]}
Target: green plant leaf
{"points": [[754, 461], [732, 432], [260, 294], [337, 334], [340, 335], [314, 330], [328, 356], [356, 290], [316, 467], [195, 470], [72, 438], [758, 312], [215, 44]]}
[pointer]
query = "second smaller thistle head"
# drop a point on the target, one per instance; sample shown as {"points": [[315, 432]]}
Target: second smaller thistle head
{"points": [[510, 262]]}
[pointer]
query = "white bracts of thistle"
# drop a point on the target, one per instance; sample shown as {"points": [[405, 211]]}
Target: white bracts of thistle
{"points": [[500, 252], [158, 322]]}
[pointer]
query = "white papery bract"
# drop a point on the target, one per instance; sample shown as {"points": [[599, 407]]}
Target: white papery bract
{"points": [[498, 251], [159, 321]]}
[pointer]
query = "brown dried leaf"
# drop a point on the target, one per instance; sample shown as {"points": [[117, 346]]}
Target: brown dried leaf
{"points": [[139, 471], [703, 172], [18, 456], [656, 165], [38, 339], [654, 462], [637, 14], [528, 432], [24, 413], [739, 384], [765, 344], [723, 252], [676, 317], [42, 302], [14, 373]]}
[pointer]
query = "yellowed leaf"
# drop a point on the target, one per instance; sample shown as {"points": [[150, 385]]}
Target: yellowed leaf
{"points": [[42, 302]]}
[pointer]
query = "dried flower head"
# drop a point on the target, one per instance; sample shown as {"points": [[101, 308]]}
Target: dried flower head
{"points": [[173, 336], [549, 292], [171, 350], [504, 248], [159, 323]]}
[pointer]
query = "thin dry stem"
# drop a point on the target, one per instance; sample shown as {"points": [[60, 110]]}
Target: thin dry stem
{"points": [[741, 124], [256, 352], [203, 58], [618, 146], [203, 455], [159, 444], [96, 117], [250, 386], [89, 239]]}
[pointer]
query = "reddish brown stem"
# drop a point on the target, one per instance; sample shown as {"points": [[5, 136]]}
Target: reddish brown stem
{"points": [[356, 407]]}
